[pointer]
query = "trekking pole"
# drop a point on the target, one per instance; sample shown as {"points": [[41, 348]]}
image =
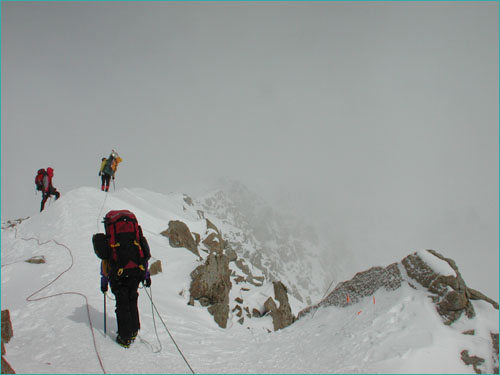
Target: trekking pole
{"points": [[114, 188], [104, 294]]}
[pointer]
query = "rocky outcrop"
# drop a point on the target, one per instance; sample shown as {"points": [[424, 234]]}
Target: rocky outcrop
{"points": [[282, 313], [213, 239], [155, 268], [473, 361], [7, 334], [449, 292], [179, 235], [363, 284], [211, 282], [36, 260], [249, 277], [443, 281]]}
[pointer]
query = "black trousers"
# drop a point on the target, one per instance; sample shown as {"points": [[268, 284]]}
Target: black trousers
{"points": [[46, 195], [127, 313], [105, 178]]}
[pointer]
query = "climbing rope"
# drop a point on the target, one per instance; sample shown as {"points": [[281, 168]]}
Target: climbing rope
{"points": [[154, 325], [322, 298], [100, 211], [31, 298], [180, 352]]}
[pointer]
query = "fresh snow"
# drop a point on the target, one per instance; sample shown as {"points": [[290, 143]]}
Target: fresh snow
{"points": [[436, 264], [391, 332]]}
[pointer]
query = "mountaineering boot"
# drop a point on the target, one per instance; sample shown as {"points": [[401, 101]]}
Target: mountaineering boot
{"points": [[134, 336], [123, 342]]}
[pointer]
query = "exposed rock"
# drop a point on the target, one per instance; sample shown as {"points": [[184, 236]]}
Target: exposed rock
{"points": [[450, 293], [13, 223], [238, 299], [188, 200], [470, 332], [155, 268], [231, 254], [213, 241], [494, 342], [475, 361], [204, 301], [6, 367], [282, 315], [220, 312], [475, 295], [363, 284], [179, 235], [250, 278], [212, 281], [7, 332], [36, 259]]}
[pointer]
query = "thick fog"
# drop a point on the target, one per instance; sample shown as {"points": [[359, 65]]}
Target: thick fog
{"points": [[376, 121]]}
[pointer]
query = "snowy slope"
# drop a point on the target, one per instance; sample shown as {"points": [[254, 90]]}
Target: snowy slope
{"points": [[400, 333]]}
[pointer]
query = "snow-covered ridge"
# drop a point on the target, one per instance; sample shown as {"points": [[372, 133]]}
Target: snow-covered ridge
{"points": [[396, 331]]}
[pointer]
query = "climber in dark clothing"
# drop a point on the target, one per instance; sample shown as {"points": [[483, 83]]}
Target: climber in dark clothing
{"points": [[48, 189]]}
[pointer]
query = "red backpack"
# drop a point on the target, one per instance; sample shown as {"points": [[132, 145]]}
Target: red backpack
{"points": [[123, 245], [39, 179]]}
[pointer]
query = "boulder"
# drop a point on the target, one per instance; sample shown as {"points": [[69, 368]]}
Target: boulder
{"points": [[220, 312], [179, 235], [282, 314], [211, 281], [155, 268], [36, 259]]}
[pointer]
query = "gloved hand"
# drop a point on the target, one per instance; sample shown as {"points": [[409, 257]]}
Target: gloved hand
{"points": [[147, 282], [99, 173], [104, 284], [113, 177]]}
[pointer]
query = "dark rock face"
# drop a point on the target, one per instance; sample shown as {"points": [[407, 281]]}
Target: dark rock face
{"points": [[211, 282], [179, 235], [282, 315]]}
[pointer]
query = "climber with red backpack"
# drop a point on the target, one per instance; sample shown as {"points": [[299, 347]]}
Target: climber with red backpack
{"points": [[43, 182], [124, 252]]}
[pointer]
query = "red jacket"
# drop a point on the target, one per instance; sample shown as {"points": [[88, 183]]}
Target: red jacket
{"points": [[47, 180]]}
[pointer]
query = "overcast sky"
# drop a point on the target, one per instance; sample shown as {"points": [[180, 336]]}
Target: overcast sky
{"points": [[379, 119]]}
